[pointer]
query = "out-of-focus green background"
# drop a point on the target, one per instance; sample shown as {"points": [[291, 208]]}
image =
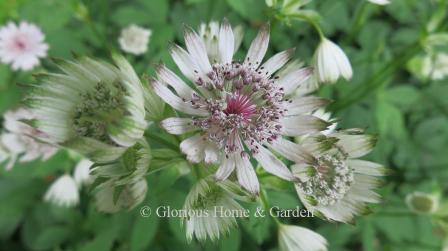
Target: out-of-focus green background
{"points": [[407, 111]]}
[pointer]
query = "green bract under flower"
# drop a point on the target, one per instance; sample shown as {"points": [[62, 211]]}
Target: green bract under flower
{"points": [[93, 107]]}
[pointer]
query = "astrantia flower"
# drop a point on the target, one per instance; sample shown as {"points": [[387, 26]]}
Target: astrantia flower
{"points": [[331, 62], [205, 206], [22, 45], [422, 203], [294, 238], [134, 39], [94, 107], [63, 192], [111, 199], [238, 108], [336, 185], [435, 66], [20, 140], [82, 172], [130, 168], [380, 2], [210, 33]]}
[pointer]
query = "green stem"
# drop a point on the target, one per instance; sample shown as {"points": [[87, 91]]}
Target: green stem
{"points": [[361, 91], [358, 21], [265, 203], [313, 23]]}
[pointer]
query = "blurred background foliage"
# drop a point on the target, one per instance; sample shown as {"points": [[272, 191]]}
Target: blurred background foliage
{"points": [[409, 113]]}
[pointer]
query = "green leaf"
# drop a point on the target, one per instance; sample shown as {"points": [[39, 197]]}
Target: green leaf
{"points": [[143, 231]]}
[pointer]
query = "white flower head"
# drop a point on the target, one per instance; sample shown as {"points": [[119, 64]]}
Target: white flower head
{"points": [[294, 238], [380, 2], [82, 172], [239, 109], [209, 32], [21, 140], [435, 66], [204, 206], [331, 62], [63, 192], [129, 196], [134, 39], [422, 203], [335, 185], [92, 107], [22, 45]]}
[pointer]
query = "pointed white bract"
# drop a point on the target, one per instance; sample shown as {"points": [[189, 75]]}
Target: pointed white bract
{"points": [[422, 203], [380, 2], [63, 192], [435, 66], [82, 173], [213, 35], [204, 206], [134, 39], [22, 45], [331, 63], [93, 107], [294, 238], [237, 108], [335, 185], [19, 140]]}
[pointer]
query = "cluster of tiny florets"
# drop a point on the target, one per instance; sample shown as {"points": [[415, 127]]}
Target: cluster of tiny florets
{"points": [[245, 104], [97, 109], [330, 180]]}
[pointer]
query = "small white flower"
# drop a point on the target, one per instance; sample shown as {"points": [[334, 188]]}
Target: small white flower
{"points": [[205, 220], [335, 185], [380, 2], [239, 109], [82, 172], [422, 203], [435, 66], [22, 45], [63, 192], [331, 62], [19, 139], [134, 39], [294, 238]]}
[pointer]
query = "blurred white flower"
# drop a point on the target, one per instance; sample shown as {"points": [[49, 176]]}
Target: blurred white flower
{"points": [[134, 39], [294, 238], [435, 66], [205, 205], [422, 203], [82, 172], [335, 185], [380, 2], [331, 62], [93, 107], [22, 45], [63, 192], [19, 140], [210, 34]]}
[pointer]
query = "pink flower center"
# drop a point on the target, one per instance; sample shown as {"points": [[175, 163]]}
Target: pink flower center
{"points": [[19, 43], [240, 104]]}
